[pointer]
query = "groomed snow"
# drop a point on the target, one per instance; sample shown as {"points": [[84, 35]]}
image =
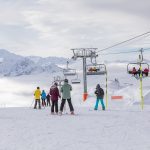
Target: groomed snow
{"points": [[28, 129]]}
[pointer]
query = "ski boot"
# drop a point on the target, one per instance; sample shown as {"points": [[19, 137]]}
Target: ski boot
{"points": [[103, 108], [60, 113], [72, 113]]}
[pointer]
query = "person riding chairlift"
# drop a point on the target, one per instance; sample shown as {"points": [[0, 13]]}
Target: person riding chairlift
{"points": [[92, 69], [140, 72], [146, 71], [134, 72]]}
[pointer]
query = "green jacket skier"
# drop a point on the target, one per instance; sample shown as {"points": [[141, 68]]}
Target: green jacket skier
{"points": [[66, 95], [65, 90]]}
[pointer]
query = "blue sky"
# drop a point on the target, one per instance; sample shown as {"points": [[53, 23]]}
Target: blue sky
{"points": [[53, 27]]}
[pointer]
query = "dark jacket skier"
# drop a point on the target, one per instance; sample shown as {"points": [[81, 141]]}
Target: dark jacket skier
{"points": [[100, 96], [54, 93], [48, 100]]}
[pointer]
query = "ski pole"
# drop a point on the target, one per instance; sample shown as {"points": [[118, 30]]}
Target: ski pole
{"points": [[32, 103]]}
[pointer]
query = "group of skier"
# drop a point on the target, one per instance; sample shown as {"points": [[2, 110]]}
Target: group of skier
{"points": [[54, 95], [41, 95]]}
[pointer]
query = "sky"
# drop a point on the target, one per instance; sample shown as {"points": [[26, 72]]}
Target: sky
{"points": [[53, 27]]}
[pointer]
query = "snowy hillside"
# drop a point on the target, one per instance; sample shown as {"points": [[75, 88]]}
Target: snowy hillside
{"points": [[15, 65]]}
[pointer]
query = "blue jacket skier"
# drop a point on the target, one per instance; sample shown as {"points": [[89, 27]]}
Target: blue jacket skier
{"points": [[100, 96], [43, 97]]}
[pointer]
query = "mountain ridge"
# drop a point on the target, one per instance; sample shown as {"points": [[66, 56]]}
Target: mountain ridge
{"points": [[17, 65]]}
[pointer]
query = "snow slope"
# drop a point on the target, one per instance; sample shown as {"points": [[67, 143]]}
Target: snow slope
{"points": [[28, 129]]}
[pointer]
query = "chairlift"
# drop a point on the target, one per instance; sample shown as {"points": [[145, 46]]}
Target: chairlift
{"points": [[96, 69], [58, 80], [76, 80], [133, 68], [68, 71]]}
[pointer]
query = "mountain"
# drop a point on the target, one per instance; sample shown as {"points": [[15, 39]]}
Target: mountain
{"points": [[16, 65]]}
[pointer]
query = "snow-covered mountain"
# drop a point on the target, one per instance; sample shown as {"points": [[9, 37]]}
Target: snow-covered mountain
{"points": [[16, 65]]}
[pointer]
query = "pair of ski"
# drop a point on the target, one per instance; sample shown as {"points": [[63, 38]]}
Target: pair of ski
{"points": [[62, 114], [72, 114]]}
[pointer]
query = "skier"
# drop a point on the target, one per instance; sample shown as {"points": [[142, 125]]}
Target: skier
{"points": [[37, 95], [54, 92], [66, 95], [48, 100], [100, 95], [43, 97]]}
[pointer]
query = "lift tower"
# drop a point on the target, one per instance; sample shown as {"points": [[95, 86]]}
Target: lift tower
{"points": [[84, 53]]}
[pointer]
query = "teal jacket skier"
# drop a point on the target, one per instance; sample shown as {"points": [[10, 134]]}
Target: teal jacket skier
{"points": [[66, 95], [65, 90]]}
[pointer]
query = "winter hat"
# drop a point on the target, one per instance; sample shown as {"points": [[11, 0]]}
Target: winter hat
{"points": [[56, 83], [66, 80], [98, 86]]}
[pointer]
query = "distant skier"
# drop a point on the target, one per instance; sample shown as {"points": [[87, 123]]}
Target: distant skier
{"points": [[48, 100], [43, 97], [54, 93], [37, 95], [100, 95], [66, 95]]}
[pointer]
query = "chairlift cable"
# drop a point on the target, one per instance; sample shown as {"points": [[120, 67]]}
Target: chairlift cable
{"points": [[148, 49], [104, 49]]}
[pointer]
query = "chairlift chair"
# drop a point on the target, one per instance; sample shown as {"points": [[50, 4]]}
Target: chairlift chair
{"points": [[69, 72], [76, 80], [96, 69], [137, 66]]}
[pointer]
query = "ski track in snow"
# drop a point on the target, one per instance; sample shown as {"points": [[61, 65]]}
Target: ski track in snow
{"points": [[28, 129]]}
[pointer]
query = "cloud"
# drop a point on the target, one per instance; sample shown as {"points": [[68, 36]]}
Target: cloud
{"points": [[48, 27]]}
